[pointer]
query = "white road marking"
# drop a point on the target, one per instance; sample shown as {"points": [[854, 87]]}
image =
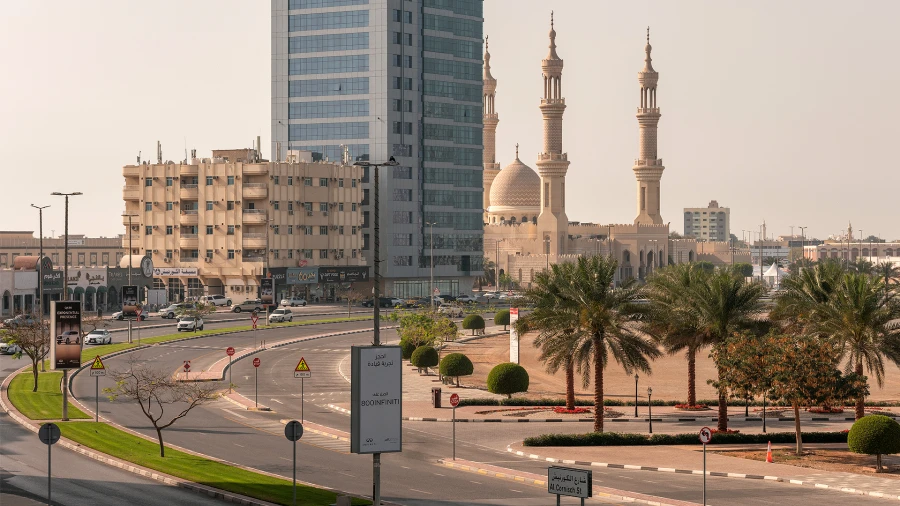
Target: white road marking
{"points": [[235, 444], [230, 412], [276, 400], [475, 482], [421, 491]]}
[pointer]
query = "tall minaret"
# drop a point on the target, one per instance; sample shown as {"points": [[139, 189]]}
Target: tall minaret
{"points": [[490, 119], [552, 163], [648, 168]]}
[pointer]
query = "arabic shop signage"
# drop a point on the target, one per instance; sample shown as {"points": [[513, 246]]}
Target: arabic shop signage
{"points": [[343, 274], [165, 272], [53, 281], [302, 276], [87, 277]]}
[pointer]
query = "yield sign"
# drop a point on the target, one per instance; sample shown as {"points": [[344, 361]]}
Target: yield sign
{"points": [[97, 367], [302, 369]]}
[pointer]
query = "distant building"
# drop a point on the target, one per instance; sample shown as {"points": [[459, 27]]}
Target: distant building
{"points": [[711, 223], [83, 251]]}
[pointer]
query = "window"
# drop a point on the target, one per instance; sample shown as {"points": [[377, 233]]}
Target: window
{"points": [[307, 230], [341, 230], [307, 181], [209, 180], [402, 261], [323, 230], [321, 131], [168, 253], [230, 180], [328, 109], [402, 217], [290, 230], [323, 206], [168, 229], [340, 206], [209, 230], [325, 87], [275, 205], [170, 206], [328, 65], [458, 91], [402, 172], [456, 134], [403, 105], [290, 206], [340, 182], [148, 206], [209, 205], [404, 128], [328, 20], [402, 17], [464, 7], [290, 180], [401, 38], [148, 230], [230, 205], [328, 42], [93, 259], [307, 253], [170, 181], [323, 253], [275, 229], [402, 195], [403, 240], [353, 183], [148, 182], [353, 230], [456, 47], [209, 254], [290, 253], [453, 68], [456, 26], [403, 83], [353, 253], [105, 259], [276, 254], [403, 61], [307, 206], [231, 254], [317, 4], [230, 229], [276, 179]]}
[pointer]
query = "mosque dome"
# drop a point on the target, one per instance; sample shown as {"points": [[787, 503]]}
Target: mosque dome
{"points": [[516, 186]]}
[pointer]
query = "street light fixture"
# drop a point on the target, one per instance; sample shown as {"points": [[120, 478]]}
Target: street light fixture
{"points": [[41, 272], [650, 407], [65, 400], [130, 253], [376, 301], [635, 394]]}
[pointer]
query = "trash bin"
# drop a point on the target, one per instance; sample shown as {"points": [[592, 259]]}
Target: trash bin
{"points": [[436, 397], [99, 313]]}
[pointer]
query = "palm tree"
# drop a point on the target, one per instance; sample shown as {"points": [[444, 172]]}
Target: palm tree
{"points": [[887, 271], [803, 293], [726, 303], [670, 320], [861, 317]]}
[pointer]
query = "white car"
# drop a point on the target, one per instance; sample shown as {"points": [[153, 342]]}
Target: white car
{"points": [[190, 323], [215, 300], [99, 336], [9, 349], [293, 302], [491, 295], [467, 299], [397, 302], [120, 315], [451, 310], [281, 316]]}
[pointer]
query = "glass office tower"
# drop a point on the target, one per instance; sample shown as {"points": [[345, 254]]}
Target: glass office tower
{"points": [[371, 79]]}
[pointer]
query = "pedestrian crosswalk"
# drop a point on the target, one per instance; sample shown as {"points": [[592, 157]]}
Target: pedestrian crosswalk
{"points": [[325, 441]]}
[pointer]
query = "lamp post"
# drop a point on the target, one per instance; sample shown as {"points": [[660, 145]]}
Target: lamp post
{"points": [[130, 253], [431, 265], [376, 259], [497, 265], [65, 383], [41, 272], [650, 407], [803, 240], [635, 394]]}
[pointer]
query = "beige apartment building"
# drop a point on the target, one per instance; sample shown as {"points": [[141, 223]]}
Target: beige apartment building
{"points": [[213, 225], [83, 251], [710, 223]]}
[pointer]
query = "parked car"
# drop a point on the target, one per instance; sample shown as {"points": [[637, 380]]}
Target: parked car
{"points": [[397, 302], [173, 310], [21, 319], [451, 310], [467, 299], [293, 301], [190, 323], [120, 315], [249, 305], [491, 295], [69, 337], [98, 336], [215, 300], [281, 316], [383, 302], [9, 348]]}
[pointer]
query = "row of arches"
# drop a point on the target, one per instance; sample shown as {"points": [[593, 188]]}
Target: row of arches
{"points": [[513, 220], [857, 252]]}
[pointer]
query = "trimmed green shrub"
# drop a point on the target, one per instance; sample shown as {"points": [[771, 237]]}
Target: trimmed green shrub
{"points": [[507, 379], [875, 435], [620, 439], [502, 318], [473, 322], [456, 365], [406, 349], [424, 357]]}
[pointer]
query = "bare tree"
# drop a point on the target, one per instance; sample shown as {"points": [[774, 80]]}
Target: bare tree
{"points": [[153, 389], [92, 323], [353, 297], [32, 337]]}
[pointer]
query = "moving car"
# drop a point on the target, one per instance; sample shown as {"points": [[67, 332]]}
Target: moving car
{"points": [[281, 315], [293, 301], [451, 310], [19, 320], [215, 300], [173, 310], [120, 315], [248, 305], [9, 349], [383, 302], [189, 323], [68, 337], [491, 295], [467, 299], [98, 336]]}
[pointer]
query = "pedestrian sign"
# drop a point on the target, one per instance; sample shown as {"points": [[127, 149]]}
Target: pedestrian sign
{"points": [[302, 369], [97, 367]]}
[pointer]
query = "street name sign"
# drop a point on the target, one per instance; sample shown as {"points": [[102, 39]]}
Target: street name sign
{"points": [[97, 367], [302, 369], [569, 481], [376, 389]]}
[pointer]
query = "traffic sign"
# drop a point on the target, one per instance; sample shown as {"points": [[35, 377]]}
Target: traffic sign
{"points": [[454, 400], [293, 430], [138, 312], [256, 362], [705, 435], [230, 351], [49, 433], [97, 368], [437, 291], [187, 366], [302, 369]]}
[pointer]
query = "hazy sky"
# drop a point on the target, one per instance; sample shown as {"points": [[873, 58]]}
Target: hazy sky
{"points": [[782, 111]]}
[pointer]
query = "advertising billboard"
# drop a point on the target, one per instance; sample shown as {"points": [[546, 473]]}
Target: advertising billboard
{"points": [[343, 274], [513, 335], [130, 299], [65, 333], [267, 291], [376, 409]]}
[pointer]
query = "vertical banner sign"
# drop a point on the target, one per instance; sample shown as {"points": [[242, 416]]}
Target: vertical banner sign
{"points": [[129, 299], [267, 291], [513, 335], [376, 409], [65, 331]]}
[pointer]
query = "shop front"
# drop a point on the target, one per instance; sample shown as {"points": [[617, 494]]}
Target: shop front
{"points": [[300, 282], [334, 281], [88, 284], [118, 277]]}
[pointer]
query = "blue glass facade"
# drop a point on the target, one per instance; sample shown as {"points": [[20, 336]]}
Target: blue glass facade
{"points": [[322, 131], [325, 87], [328, 21], [319, 4], [328, 65], [328, 109], [328, 42]]}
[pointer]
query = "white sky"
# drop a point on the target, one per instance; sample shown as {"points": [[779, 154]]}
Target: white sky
{"points": [[782, 111]]}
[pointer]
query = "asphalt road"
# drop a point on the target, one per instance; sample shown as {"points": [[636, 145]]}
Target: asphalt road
{"points": [[412, 477]]}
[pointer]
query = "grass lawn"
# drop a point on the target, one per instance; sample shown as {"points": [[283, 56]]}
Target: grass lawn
{"points": [[46, 403], [88, 353], [145, 453]]}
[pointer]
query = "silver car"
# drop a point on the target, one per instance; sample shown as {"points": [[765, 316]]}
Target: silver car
{"points": [[189, 323], [248, 305], [281, 316], [99, 336]]}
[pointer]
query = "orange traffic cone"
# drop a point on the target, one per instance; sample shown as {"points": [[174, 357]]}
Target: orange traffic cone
{"points": [[769, 454]]}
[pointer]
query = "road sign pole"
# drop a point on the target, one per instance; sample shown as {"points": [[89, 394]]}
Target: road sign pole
{"points": [[49, 473], [704, 475], [301, 400], [256, 396], [295, 473], [454, 432], [97, 399], [229, 374]]}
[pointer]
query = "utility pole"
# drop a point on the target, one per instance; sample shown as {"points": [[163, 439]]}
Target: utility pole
{"points": [[431, 262], [803, 240], [65, 383], [41, 273], [130, 259]]}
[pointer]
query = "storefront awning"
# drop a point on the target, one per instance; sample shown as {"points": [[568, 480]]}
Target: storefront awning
{"points": [[234, 281], [91, 290], [101, 289], [78, 290]]}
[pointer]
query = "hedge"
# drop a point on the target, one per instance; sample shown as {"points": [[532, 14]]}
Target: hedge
{"points": [[875, 434], [620, 439], [424, 356], [473, 322], [406, 349], [712, 403], [502, 318], [507, 379], [456, 365]]}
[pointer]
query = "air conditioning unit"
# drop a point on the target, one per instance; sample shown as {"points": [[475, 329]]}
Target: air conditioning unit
{"points": [[309, 213], [156, 251], [176, 226], [167, 259], [291, 213], [334, 179], [216, 227], [334, 227], [331, 205], [215, 177], [155, 227], [207, 259], [135, 228]]}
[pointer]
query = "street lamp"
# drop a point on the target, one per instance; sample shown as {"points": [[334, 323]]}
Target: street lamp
{"points": [[65, 400], [376, 301], [497, 265], [650, 407], [765, 387], [803, 240], [635, 394], [41, 272], [431, 224]]}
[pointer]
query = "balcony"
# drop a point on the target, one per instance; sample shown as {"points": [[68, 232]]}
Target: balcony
{"points": [[189, 216], [189, 170], [189, 241], [131, 171], [255, 190], [256, 169], [189, 192], [135, 220], [131, 192], [254, 241], [253, 259], [256, 216], [189, 260]]}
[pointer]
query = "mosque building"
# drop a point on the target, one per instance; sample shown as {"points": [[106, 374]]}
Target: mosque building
{"points": [[526, 225]]}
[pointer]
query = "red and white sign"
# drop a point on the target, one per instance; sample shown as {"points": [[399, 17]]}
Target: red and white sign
{"points": [[187, 365], [437, 291], [256, 362], [705, 435], [454, 400], [138, 312], [254, 317], [230, 351]]}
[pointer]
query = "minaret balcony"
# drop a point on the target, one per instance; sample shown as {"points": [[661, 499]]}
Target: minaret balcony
{"points": [[648, 110], [493, 116], [552, 156], [650, 163], [553, 101]]}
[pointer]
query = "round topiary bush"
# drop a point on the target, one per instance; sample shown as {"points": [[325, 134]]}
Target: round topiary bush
{"points": [[502, 318], [507, 379], [875, 435], [473, 322], [406, 349], [424, 357], [456, 365]]}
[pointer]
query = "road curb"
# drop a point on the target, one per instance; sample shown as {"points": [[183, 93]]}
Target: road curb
{"points": [[559, 420], [700, 472], [224, 320]]}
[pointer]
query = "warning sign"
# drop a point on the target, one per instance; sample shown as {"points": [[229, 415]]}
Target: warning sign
{"points": [[97, 368], [302, 369]]}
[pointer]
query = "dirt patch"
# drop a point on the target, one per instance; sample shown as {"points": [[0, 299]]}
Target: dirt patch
{"points": [[826, 460]]}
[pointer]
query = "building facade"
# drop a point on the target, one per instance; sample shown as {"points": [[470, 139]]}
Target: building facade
{"points": [[372, 79], [710, 223], [83, 251], [215, 226]]}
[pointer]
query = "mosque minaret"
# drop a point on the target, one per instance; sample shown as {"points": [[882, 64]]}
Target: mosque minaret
{"points": [[490, 119], [552, 162], [648, 168]]}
